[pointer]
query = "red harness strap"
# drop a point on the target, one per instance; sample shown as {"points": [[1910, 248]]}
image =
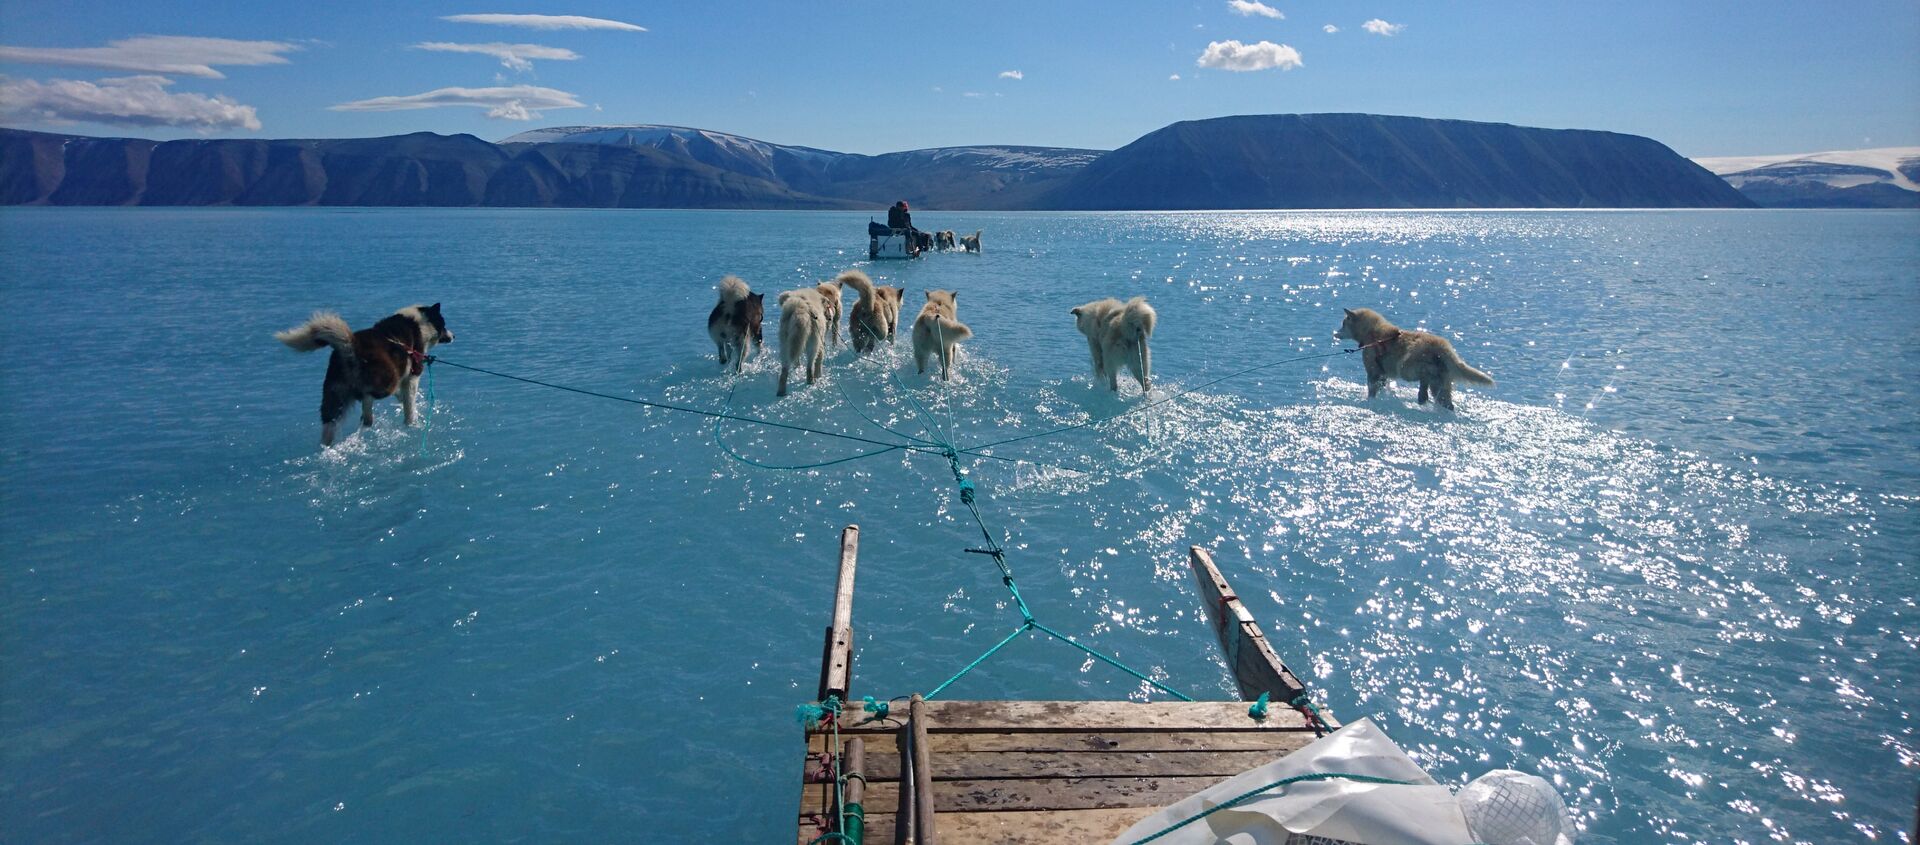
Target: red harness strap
{"points": [[418, 357]]}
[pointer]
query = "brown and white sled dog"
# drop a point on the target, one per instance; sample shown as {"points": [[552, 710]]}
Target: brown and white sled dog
{"points": [[1391, 352], [371, 363], [936, 331], [803, 334], [1117, 335], [971, 243], [735, 321], [943, 240], [830, 299], [876, 315]]}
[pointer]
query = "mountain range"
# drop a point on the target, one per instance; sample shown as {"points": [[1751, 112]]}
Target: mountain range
{"points": [[1255, 161], [1888, 177]]}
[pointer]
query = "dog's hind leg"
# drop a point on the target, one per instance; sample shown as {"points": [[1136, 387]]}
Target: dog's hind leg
{"points": [[784, 369], [366, 413], [1423, 392], [1443, 393], [333, 408], [409, 395]]}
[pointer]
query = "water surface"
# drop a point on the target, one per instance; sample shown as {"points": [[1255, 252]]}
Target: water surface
{"points": [[1667, 562]]}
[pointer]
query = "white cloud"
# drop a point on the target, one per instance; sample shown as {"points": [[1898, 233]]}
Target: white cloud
{"points": [[514, 56], [1380, 27], [177, 55], [1012, 74], [122, 101], [1174, 78], [972, 94], [547, 22], [513, 102], [1262, 55], [1249, 8], [1330, 29]]}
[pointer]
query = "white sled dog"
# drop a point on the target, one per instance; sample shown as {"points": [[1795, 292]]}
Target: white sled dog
{"points": [[1117, 335], [734, 321], [936, 331], [803, 334], [1391, 352], [876, 315], [830, 296]]}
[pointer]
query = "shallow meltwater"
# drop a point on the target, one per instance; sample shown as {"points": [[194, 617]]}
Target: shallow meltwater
{"points": [[1672, 579]]}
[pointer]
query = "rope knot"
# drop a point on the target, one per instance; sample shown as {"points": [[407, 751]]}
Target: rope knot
{"points": [[966, 491], [1259, 709]]}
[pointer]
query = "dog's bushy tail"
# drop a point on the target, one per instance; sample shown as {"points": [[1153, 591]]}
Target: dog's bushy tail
{"points": [[733, 289], [859, 282], [324, 329], [1139, 318], [1466, 373], [953, 329]]}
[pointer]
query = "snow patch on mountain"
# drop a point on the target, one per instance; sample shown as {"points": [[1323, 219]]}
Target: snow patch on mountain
{"points": [[1835, 168]]}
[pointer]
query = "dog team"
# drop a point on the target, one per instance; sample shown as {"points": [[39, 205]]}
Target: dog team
{"points": [[389, 357]]}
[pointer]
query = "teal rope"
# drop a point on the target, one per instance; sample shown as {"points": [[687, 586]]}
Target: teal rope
{"points": [[731, 453], [687, 410], [1112, 662], [426, 429], [1024, 627], [1230, 802], [840, 385]]}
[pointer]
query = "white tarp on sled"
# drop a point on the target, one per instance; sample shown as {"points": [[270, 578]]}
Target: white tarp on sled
{"points": [[1356, 787]]}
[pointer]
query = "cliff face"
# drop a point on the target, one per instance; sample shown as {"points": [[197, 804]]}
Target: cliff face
{"points": [[1371, 161], [1268, 161], [422, 169]]}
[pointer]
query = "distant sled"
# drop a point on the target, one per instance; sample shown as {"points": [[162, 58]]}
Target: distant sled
{"points": [[883, 242]]}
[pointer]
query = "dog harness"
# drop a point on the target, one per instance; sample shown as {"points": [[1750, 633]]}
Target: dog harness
{"points": [[417, 356]]}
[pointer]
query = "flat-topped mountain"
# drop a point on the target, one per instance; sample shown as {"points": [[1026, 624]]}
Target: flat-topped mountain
{"points": [[1373, 161], [1265, 161]]}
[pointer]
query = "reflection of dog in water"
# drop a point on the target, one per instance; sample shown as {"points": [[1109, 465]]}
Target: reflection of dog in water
{"points": [[936, 331], [1117, 334], [371, 363], [1390, 352]]}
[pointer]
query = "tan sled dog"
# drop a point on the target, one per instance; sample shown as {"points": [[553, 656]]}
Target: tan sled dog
{"points": [[876, 315], [830, 292], [803, 335], [936, 331], [1391, 352], [1117, 335]]}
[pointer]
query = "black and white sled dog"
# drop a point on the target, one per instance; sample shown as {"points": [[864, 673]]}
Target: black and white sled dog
{"points": [[1117, 335], [735, 321], [372, 363]]}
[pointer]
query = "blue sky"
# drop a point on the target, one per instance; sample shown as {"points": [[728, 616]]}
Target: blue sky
{"points": [[1719, 78]]}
